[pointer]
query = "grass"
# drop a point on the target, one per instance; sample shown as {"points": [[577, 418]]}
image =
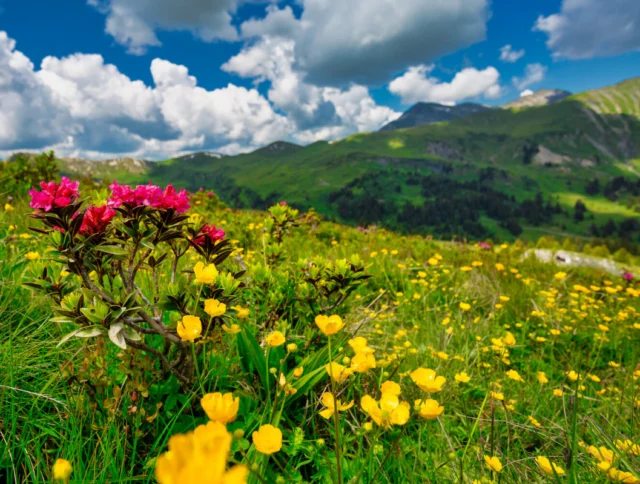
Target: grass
{"points": [[409, 311]]}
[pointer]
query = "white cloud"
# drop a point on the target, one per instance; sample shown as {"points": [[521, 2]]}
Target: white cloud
{"points": [[319, 112], [81, 106], [592, 28], [134, 23], [417, 85], [277, 22], [507, 54], [533, 74], [526, 92]]}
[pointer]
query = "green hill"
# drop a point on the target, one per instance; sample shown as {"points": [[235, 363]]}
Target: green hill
{"points": [[501, 172]]}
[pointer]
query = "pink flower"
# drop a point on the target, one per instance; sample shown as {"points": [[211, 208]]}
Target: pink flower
{"points": [[120, 194], [283, 203], [179, 201], [209, 231], [96, 219], [149, 196], [627, 276], [484, 245], [54, 195]]}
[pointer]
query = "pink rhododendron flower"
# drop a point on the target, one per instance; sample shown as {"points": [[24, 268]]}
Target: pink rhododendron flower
{"points": [[120, 194], [179, 201], [484, 245], [627, 276], [54, 194], [96, 219], [210, 231], [149, 196]]}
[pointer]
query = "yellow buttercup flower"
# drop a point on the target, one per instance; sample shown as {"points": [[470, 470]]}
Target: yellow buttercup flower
{"points": [[514, 375], [233, 329], [220, 407], [297, 373], [359, 345], [275, 339], [200, 457], [329, 325], [462, 377], [8, 207], [390, 411], [390, 387], [429, 409], [493, 463], [205, 274], [241, 313], [32, 256], [465, 306], [427, 380], [509, 339], [337, 372], [62, 470], [549, 467], [363, 362], [267, 439], [542, 378], [330, 402], [189, 328], [214, 308]]}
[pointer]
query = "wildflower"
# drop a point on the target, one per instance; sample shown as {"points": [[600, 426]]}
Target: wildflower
{"points": [[267, 439], [96, 219], [549, 467], [560, 276], [572, 375], [337, 372], [534, 421], [465, 306], [32, 256], [390, 411], [220, 407], [509, 339], [493, 463], [496, 395], [622, 476], [557, 392], [241, 313], [199, 456], [292, 347], [214, 308], [54, 194], [211, 232], [275, 338], [329, 325], [233, 329], [390, 387], [514, 375], [542, 378], [62, 470], [189, 328], [601, 453], [363, 362], [429, 409], [499, 267], [628, 446], [8, 207], [462, 377], [359, 345], [427, 380], [297, 373], [205, 274], [331, 404]]}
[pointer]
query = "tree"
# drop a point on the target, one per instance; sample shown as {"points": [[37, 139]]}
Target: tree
{"points": [[579, 210]]}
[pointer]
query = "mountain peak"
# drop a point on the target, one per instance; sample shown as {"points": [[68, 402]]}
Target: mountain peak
{"points": [[541, 97], [427, 113], [279, 147]]}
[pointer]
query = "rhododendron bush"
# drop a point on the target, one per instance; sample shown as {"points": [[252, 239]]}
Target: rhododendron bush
{"points": [[125, 254]]}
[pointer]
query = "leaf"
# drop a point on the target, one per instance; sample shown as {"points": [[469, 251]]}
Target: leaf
{"points": [[131, 334], [88, 332], [251, 355], [60, 319], [112, 249], [116, 335]]}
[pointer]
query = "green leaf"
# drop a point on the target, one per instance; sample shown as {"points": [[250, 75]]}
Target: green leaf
{"points": [[252, 356], [88, 332], [112, 249]]}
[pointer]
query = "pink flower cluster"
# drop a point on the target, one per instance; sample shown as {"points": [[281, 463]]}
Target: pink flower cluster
{"points": [[150, 196], [54, 194], [210, 231], [96, 219]]}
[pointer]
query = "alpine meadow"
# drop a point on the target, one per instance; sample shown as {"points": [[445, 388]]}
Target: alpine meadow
{"points": [[353, 242]]}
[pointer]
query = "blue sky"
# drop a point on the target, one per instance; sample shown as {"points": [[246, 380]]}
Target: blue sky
{"points": [[230, 75]]}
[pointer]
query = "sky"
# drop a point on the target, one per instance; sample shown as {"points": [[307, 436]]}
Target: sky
{"points": [[158, 78]]}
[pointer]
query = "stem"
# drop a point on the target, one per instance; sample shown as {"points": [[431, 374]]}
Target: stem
{"points": [[388, 454], [336, 426]]}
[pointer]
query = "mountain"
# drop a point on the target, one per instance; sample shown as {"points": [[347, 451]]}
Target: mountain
{"points": [[426, 113], [571, 167], [542, 97]]}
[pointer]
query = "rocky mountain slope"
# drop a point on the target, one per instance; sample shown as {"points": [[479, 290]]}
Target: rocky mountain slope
{"points": [[425, 113]]}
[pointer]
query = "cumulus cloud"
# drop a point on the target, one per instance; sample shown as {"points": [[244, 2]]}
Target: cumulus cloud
{"points": [[533, 74], [134, 23], [277, 22], [592, 28], [507, 54], [526, 92], [82, 106], [319, 112], [417, 85]]}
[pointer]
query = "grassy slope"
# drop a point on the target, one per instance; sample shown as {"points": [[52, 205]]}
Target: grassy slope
{"points": [[585, 126]]}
